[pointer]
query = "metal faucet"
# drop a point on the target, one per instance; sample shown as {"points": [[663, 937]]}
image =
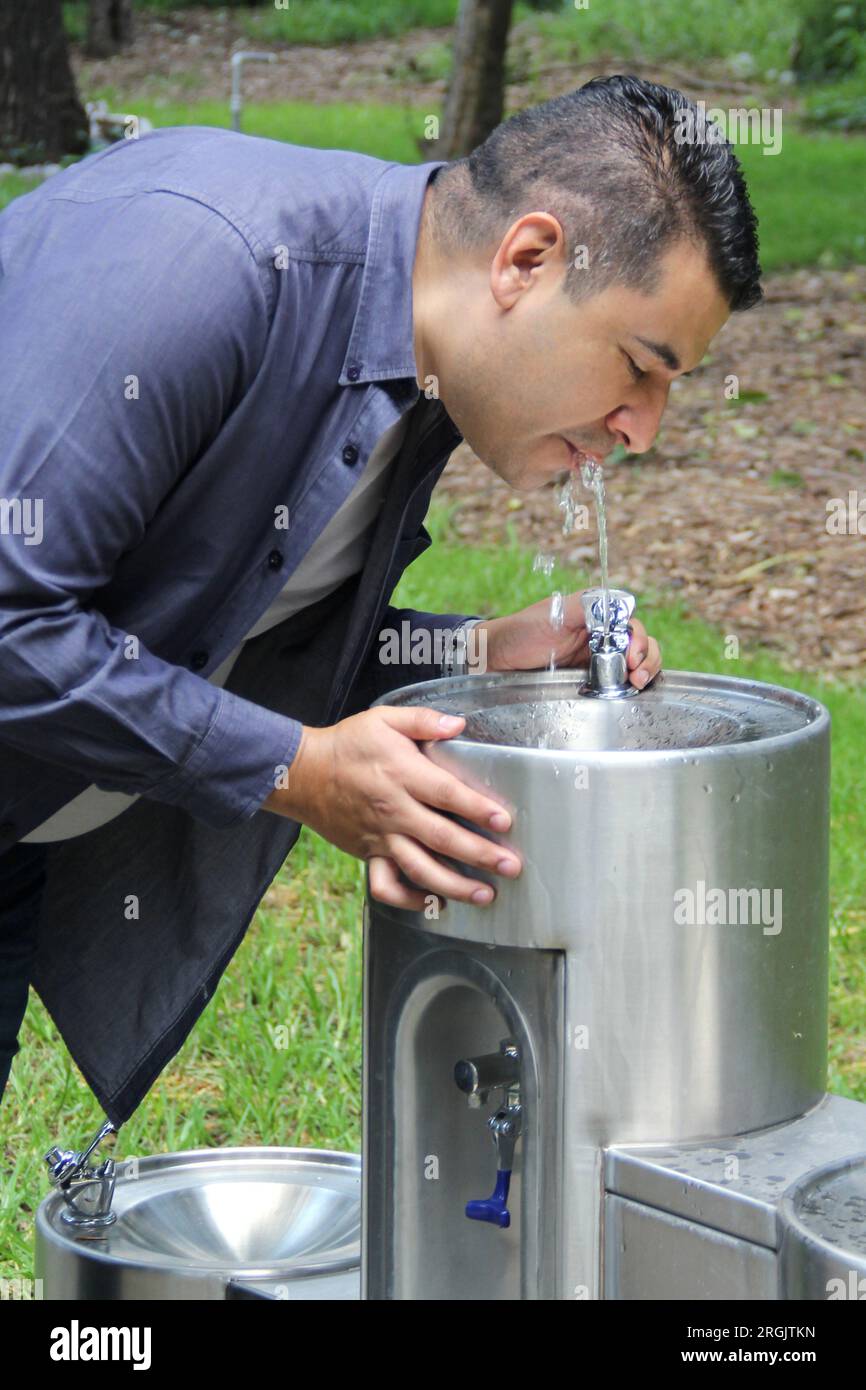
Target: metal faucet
{"points": [[87, 1191], [238, 60], [476, 1077], [608, 668]]}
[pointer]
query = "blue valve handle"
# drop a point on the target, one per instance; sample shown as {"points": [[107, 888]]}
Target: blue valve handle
{"points": [[493, 1208]]}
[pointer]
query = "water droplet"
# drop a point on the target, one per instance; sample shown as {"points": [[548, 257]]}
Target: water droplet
{"points": [[708, 787], [735, 797], [543, 564]]}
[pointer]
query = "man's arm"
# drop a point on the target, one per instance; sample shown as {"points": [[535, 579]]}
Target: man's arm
{"points": [[123, 345], [410, 646]]}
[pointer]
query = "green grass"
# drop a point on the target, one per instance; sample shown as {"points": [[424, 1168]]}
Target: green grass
{"points": [[667, 30], [810, 199], [797, 227], [299, 968], [389, 132], [339, 21], [13, 185]]}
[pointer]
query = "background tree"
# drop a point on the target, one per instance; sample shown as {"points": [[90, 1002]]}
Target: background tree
{"points": [[476, 91], [41, 117], [109, 27], [475, 101]]}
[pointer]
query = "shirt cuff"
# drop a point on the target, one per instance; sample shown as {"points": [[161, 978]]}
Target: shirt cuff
{"points": [[462, 655], [244, 755]]}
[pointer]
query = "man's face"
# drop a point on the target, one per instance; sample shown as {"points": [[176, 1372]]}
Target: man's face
{"points": [[534, 381]]}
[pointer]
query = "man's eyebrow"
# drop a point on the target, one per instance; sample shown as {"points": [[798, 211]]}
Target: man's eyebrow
{"points": [[661, 350]]}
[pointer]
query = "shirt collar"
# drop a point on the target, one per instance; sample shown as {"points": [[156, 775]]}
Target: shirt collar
{"points": [[381, 344]]}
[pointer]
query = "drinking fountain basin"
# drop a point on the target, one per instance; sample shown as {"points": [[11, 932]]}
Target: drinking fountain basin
{"points": [[678, 711], [213, 1224]]}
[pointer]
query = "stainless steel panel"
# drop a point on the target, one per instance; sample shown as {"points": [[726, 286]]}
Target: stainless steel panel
{"points": [[428, 1004], [736, 1183], [651, 1255]]}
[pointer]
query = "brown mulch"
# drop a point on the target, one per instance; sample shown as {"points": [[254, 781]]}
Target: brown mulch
{"points": [[728, 511]]}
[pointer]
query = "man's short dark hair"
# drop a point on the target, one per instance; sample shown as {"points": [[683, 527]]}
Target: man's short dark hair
{"points": [[627, 167]]}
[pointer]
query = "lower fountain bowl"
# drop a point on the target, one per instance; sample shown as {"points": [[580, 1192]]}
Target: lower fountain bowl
{"points": [[823, 1230], [214, 1224]]}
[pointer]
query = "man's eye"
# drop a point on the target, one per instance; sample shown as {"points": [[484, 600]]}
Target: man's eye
{"points": [[634, 368]]}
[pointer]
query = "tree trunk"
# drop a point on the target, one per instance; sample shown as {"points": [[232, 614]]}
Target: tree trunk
{"points": [[476, 93], [41, 117], [109, 27]]}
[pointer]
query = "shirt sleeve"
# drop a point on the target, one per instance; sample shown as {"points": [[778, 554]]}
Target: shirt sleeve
{"points": [[411, 646], [124, 344]]}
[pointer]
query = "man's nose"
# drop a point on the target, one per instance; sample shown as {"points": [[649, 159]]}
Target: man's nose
{"points": [[637, 425]]}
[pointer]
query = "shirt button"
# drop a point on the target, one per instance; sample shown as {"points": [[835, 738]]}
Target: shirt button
{"points": [[350, 453], [275, 560], [353, 373], [198, 660]]}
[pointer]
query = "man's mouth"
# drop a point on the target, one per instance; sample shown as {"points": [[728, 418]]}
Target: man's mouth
{"points": [[580, 456]]}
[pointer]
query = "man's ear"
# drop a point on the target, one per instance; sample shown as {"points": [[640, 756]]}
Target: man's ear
{"points": [[533, 246]]}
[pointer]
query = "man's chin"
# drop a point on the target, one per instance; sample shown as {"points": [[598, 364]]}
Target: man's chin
{"points": [[515, 474]]}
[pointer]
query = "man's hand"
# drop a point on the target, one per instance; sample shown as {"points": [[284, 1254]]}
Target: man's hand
{"points": [[365, 785], [524, 641]]}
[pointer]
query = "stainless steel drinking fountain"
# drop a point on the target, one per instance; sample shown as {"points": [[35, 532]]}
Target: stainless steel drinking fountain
{"points": [[246, 1223], [611, 1083]]}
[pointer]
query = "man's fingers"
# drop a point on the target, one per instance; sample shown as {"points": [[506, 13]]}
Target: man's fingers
{"points": [[386, 886], [422, 869], [435, 786], [573, 611], [454, 841], [644, 658], [638, 646], [420, 723]]}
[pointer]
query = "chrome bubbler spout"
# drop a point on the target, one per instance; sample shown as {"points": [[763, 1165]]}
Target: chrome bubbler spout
{"points": [[608, 642]]}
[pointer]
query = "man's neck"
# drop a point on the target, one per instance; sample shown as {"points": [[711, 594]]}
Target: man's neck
{"points": [[421, 284]]}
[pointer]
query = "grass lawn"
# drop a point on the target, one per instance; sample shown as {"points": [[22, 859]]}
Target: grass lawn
{"points": [[798, 227], [276, 1056]]}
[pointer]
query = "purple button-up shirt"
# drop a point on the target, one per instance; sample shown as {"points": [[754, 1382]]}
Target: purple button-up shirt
{"points": [[202, 337]]}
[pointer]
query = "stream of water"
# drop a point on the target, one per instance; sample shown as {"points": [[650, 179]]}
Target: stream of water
{"points": [[592, 477]]}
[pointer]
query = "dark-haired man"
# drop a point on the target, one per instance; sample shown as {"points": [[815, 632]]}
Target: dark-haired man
{"points": [[231, 371]]}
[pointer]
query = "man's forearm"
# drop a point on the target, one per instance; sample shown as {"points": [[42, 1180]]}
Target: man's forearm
{"points": [[410, 646]]}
